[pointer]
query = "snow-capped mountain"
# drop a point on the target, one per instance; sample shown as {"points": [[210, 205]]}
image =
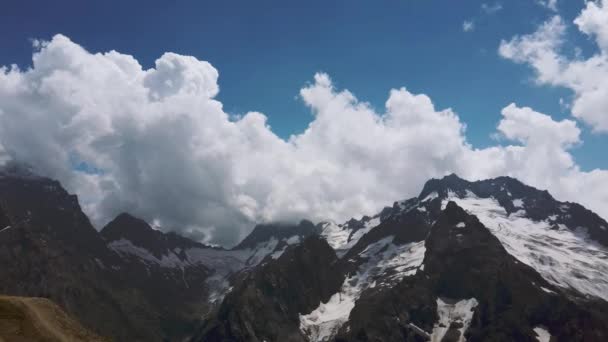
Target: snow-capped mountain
{"points": [[485, 260], [557, 248]]}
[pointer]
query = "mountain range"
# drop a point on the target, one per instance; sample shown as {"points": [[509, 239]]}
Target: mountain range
{"points": [[491, 260]]}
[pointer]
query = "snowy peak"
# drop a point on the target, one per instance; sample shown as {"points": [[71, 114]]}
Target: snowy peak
{"points": [[458, 233], [470, 288], [441, 187], [263, 233], [504, 189], [520, 199]]}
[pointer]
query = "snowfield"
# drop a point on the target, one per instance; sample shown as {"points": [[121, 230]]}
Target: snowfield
{"points": [[566, 258], [386, 264], [341, 237], [456, 312]]}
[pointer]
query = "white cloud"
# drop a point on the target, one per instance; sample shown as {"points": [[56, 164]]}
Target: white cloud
{"points": [[468, 26], [491, 8], [587, 78], [593, 21], [170, 154], [548, 4]]}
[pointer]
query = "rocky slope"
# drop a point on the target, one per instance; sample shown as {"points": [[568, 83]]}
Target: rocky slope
{"points": [[469, 286], [487, 260], [265, 303], [24, 319], [518, 265]]}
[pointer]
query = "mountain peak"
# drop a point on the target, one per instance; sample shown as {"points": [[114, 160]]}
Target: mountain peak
{"points": [[454, 213], [126, 226], [443, 185], [264, 232]]}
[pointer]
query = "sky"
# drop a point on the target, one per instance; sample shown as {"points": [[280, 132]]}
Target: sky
{"points": [[210, 116]]}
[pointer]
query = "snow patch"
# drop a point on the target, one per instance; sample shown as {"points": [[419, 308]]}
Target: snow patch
{"points": [[261, 250], [362, 231], [542, 335], [546, 290], [430, 196], [563, 257], [460, 225], [518, 203], [335, 235], [323, 322], [126, 247], [293, 240], [386, 265], [5, 228], [458, 312], [340, 237]]}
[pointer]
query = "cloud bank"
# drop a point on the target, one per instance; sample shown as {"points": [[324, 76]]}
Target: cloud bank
{"points": [[158, 144], [586, 77]]}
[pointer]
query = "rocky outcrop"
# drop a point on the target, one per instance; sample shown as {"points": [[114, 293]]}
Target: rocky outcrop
{"points": [[464, 263], [265, 303], [51, 250]]}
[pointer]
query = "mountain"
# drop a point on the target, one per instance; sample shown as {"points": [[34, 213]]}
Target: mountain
{"points": [[265, 303], [39, 319], [486, 260], [469, 285], [263, 233], [51, 250]]}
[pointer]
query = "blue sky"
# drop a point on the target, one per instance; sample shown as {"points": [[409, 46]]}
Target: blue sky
{"points": [[157, 143], [266, 51]]}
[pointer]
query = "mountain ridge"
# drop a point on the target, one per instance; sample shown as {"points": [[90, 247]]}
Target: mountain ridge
{"points": [[189, 290]]}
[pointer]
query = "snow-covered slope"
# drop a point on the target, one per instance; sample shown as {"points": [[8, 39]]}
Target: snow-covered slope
{"points": [[342, 237], [384, 265], [564, 256], [459, 313], [532, 226]]}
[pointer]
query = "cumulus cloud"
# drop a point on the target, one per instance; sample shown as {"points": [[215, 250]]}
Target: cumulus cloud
{"points": [[586, 77], [158, 144]]}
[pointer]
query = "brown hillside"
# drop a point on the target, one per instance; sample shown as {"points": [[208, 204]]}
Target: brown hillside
{"points": [[38, 319]]}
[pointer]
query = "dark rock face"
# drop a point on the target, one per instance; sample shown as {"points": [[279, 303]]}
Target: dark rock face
{"points": [[51, 250], [405, 225], [464, 260], [265, 303], [264, 232], [134, 283], [139, 232], [176, 289]]}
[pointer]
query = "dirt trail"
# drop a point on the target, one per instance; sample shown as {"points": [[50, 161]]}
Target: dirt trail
{"points": [[25, 319]]}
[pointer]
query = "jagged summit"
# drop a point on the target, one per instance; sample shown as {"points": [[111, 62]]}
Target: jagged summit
{"points": [[265, 232], [469, 287], [141, 234], [492, 259], [503, 186]]}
